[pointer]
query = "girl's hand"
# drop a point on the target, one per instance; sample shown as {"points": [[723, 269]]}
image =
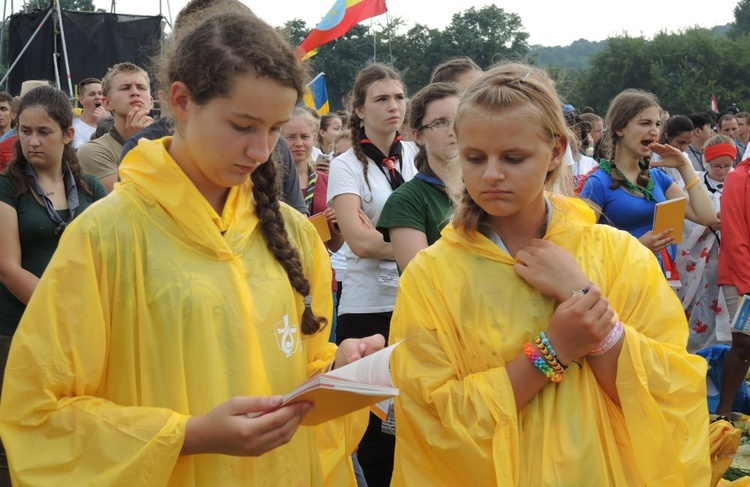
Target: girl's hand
{"points": [[228, 430], [716, 227], [552, 270], [364, 219], [353, 349], [657, 242], [323, 163], [579, 324], [671, 156], [333, 224]]}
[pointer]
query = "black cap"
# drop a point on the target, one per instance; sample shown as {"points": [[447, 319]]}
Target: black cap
{"points": [[733, 109]]}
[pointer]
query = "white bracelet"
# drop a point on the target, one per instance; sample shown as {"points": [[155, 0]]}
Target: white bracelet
{"points": [[609, 342]]}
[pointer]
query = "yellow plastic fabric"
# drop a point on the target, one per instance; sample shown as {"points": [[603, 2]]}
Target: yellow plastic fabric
{"points": [[725, 439], [456, 419], [153, 309]]}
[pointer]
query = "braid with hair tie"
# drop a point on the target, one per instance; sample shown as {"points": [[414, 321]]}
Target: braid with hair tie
{"points": [[644, 176], [274, 231]]}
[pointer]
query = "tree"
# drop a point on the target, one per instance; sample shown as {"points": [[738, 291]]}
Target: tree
{"points": [[80, 5], [741, 24], [487, 35], [682, 69], [294, 31], [341, 60]]}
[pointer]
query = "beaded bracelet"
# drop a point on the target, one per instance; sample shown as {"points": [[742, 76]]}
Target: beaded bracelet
{"points": [[540, 364], [609, 341], [548, 353]]}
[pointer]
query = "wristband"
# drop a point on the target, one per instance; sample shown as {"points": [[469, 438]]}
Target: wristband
{"points": [[606, 345], [692, 183]]}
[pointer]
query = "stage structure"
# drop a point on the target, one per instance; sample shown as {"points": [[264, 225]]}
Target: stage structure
{"points": [[65, 46]]}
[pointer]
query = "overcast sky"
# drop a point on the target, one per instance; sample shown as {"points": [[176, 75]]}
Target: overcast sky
{"points": [[548, 22]]}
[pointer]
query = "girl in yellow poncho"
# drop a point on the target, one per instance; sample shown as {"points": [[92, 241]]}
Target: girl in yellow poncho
{"points": [[184, 300], [521, 285]]}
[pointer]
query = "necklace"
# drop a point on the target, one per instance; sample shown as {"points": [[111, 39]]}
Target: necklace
{"points": [[50, 193]]}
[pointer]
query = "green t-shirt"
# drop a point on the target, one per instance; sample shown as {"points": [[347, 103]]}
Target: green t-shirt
{"points": [[38, 240], [419, 205]]}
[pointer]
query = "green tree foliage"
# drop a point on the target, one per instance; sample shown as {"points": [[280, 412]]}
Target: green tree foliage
{"points": [[683, 69], [741, 24], [487, 35], [81, 5]]}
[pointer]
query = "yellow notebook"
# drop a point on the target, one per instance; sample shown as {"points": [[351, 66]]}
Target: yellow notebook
{"points": [[320, 223], [670, 214]]}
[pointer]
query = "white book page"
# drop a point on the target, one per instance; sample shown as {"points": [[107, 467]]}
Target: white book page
{"points": [[373, 369]]}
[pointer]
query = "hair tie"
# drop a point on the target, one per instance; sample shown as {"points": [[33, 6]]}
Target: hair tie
{"points": [[308, 301], [714, 151]]}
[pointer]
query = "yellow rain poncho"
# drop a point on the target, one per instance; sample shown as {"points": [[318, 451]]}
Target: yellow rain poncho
{"points": [[456, 419], [153, 309]]}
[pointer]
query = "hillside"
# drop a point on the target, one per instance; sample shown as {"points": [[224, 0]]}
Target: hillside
{"points": [[577, 54]]}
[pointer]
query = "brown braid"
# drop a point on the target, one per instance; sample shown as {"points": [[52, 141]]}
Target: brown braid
{"points": [[365, 79], [468, 214], [274, 231], [358, 133], [622, 109]]}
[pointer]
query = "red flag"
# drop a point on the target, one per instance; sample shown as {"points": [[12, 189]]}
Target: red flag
{"points": [[344, 15], [714, 105]]}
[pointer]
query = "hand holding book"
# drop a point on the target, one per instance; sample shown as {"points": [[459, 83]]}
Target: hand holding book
{"points": [[345, 389]]}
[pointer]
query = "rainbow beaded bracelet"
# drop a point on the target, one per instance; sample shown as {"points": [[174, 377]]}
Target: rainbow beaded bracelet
{"points": [[541, 364]]}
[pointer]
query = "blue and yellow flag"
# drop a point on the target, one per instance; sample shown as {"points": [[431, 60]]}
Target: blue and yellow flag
{"points": [[316, 95]]}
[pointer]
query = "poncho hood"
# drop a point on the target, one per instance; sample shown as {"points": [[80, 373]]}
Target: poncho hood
{"points": [[568, 214], [150, 171]]}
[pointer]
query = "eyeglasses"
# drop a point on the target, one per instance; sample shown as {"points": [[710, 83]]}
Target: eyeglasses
{"points": [[439, 124], [720, 168]]}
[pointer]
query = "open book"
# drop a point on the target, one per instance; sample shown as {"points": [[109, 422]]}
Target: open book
{"points": [[670, 214], [741, 320], [346, 389]]}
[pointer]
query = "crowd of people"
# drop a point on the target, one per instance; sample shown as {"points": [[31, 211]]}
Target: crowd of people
{"points": [[161, 286]]}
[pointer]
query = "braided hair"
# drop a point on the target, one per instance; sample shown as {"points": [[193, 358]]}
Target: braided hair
{"points": [[365, 79], [623, 108], [207, 60]]}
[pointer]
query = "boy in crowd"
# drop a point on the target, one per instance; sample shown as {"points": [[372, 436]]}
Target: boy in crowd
{"points": [[127, 95], [91, 97], [6, 114]]}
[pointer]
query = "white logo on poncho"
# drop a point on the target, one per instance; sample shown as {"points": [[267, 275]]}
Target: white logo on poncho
{"points": [[287, 338]]}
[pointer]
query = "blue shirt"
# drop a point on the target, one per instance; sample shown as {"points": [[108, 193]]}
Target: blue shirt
{"points": [[620, 208]]}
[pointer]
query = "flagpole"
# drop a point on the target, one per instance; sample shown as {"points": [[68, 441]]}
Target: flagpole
{"points": [[374, 42], [388, 26]]}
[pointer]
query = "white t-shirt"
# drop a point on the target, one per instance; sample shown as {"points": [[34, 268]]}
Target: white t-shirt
{"points": [[83, 133], [369, 284], [338, 262]]}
